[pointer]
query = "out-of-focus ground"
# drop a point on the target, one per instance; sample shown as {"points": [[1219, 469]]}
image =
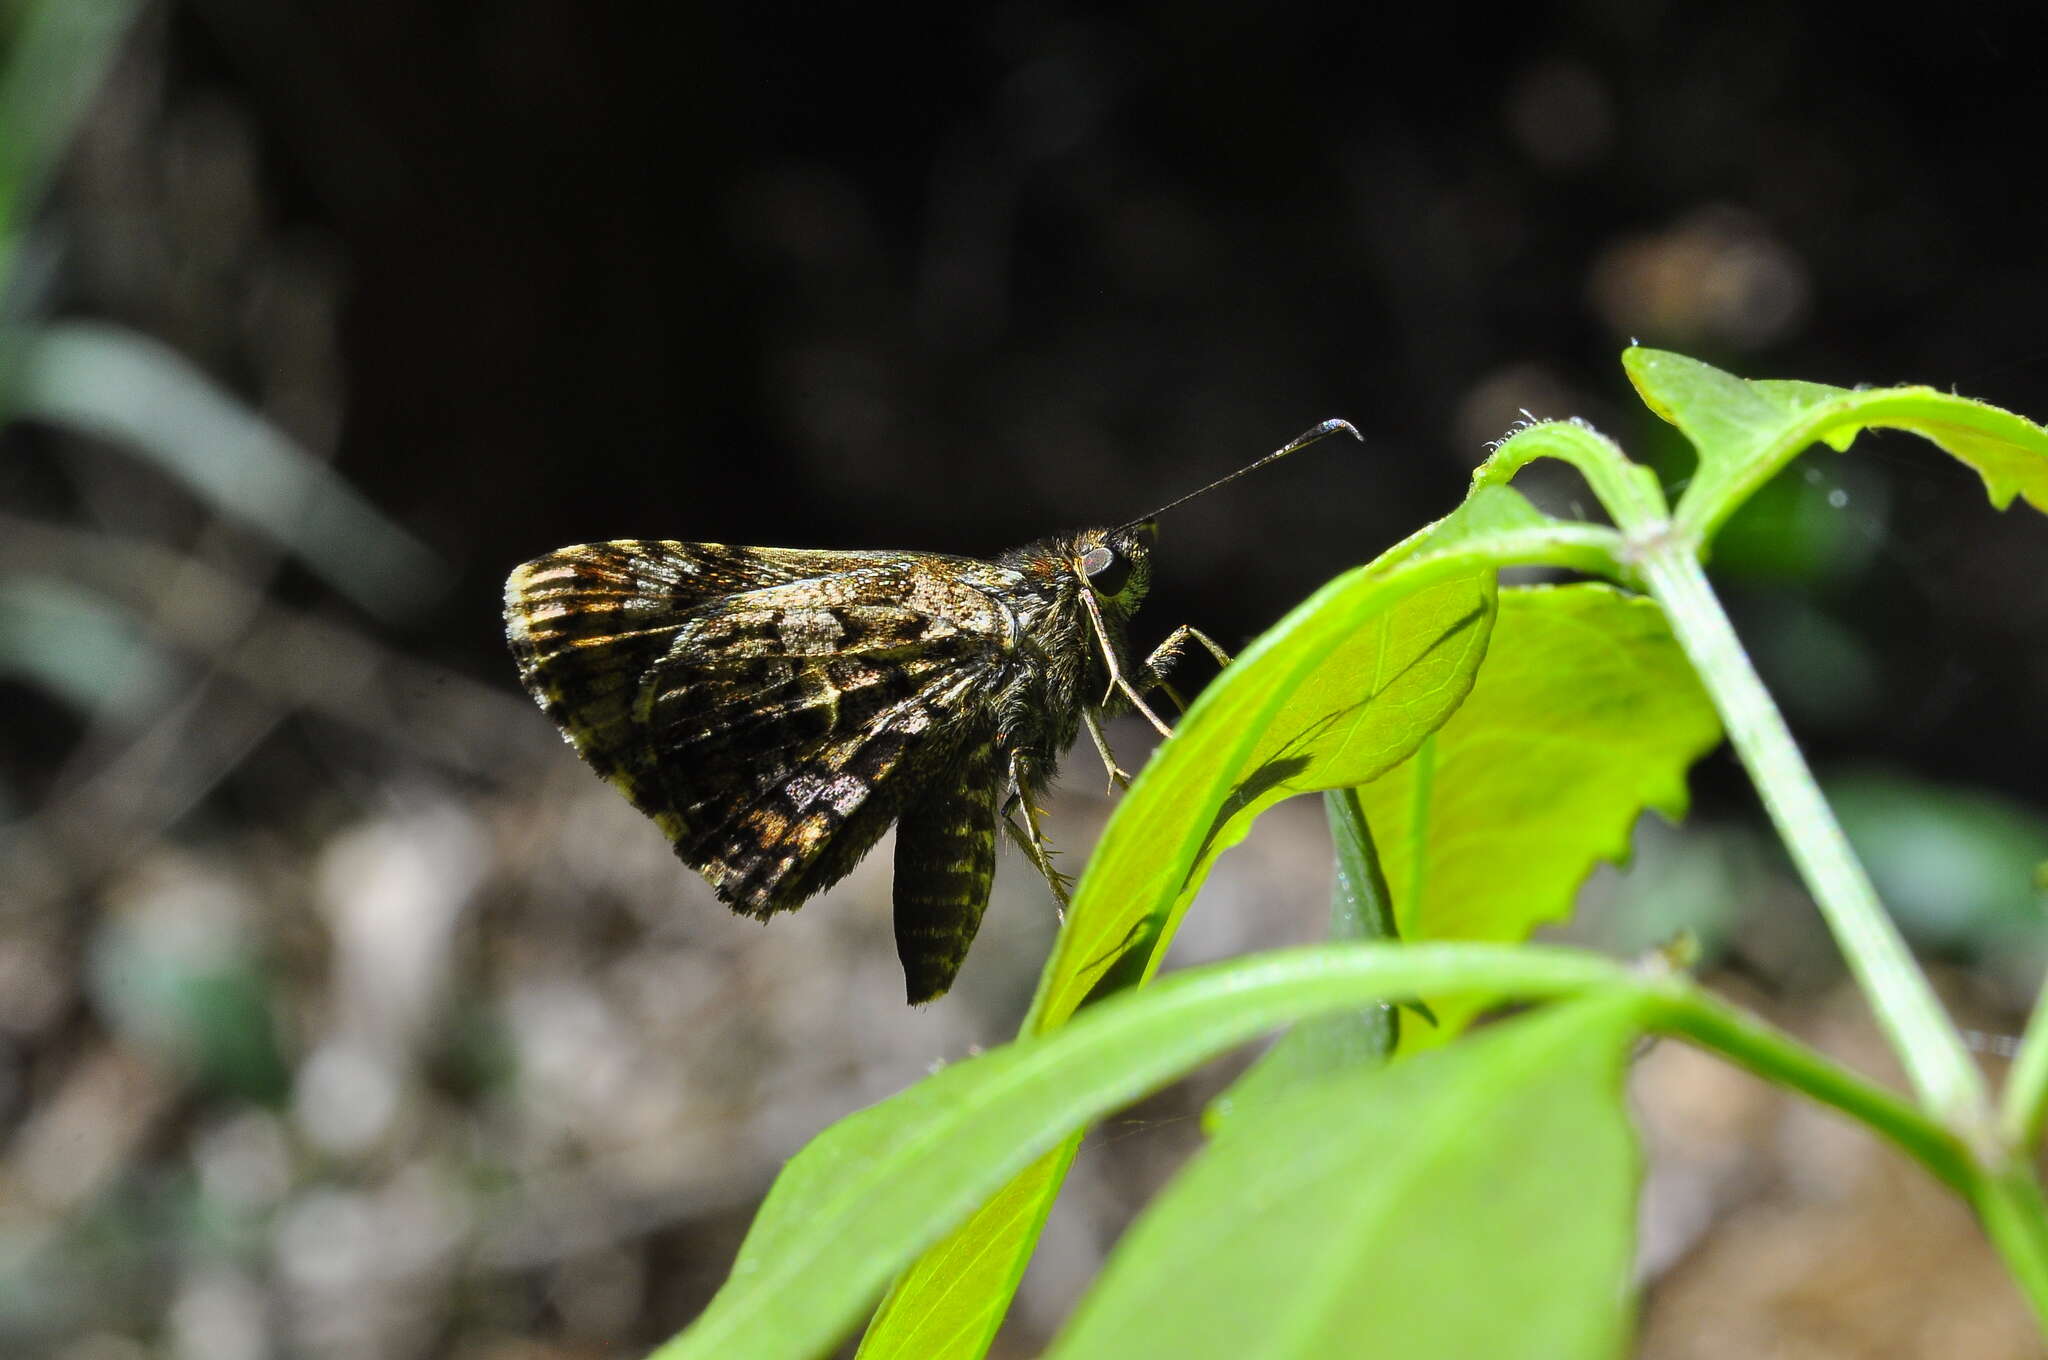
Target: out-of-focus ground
{"points": [[343, 1014]]}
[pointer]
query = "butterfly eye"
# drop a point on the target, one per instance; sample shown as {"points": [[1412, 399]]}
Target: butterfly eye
{"points": [[1107, 571]]}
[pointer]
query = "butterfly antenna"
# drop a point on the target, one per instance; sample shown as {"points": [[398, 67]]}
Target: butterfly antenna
{"points": [[1300, 441]]}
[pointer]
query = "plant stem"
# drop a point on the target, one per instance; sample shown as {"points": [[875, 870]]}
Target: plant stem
{"points": [[1629, 491], [2008, 1203], [1361, 908], [1694, 1014], [2025, 1105], [2006, 1197], [1936, 1062]]}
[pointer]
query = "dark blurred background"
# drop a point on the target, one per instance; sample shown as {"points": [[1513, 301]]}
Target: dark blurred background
{"points": [[343, 1014]]}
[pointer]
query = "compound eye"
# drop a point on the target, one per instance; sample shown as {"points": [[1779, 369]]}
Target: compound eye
{"points": [[1107, 570]]}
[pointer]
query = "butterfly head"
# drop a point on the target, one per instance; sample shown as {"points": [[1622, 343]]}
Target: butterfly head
{"points": [[1115, 565]]}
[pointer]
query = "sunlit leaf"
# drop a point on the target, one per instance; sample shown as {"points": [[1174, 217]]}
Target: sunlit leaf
{"points": [[1584, 714], [1477, 1201], [1746, 431]]}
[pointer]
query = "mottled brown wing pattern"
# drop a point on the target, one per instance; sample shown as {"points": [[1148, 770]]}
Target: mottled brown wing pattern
{"points": [[585, 623], [772, 711], [781, 773]]}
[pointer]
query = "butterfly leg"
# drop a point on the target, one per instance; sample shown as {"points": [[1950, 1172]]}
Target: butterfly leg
{"points": [[1152, 676], [1029, 837], [1119, 778], [1168, 652], [1062, 884], [1116, 674]]}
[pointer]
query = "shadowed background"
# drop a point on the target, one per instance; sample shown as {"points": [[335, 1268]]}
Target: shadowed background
{"points": [[342, 1013]]}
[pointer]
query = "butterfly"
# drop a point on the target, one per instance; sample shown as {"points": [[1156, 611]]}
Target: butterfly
{"points": [[775, 710]]}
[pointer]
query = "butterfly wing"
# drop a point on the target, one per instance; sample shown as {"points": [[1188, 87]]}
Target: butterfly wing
{"points": [[585, 624], [772, 711], [790, 732]]}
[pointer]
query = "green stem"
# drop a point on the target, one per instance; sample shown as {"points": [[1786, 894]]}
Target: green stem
{"points": [[2025, 1106], [1629, 490], [1936, 1062], [1692, 1014], [1593, 549], [2008, 1203], [1361, 905], [2007, 1198], [1361, 908]]}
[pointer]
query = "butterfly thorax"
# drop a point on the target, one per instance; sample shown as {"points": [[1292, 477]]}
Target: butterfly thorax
{"points": [[1062, 668]]}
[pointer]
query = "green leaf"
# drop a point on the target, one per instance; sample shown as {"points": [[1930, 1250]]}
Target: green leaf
{"points": [[1745, 432], [1477, 1201], [1361, 908], [953, 1298], [1585, 713], [878, 1186], [1337, 693]]}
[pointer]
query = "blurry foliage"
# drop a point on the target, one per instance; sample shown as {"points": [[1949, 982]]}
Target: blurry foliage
{"points": [[52, 632], [135, 393], [79, 646], [1955, 865], [56, 56]]}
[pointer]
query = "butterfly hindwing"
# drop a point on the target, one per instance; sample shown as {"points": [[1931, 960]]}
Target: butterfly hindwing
{"points": [[778, 773], [813, 819]]}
